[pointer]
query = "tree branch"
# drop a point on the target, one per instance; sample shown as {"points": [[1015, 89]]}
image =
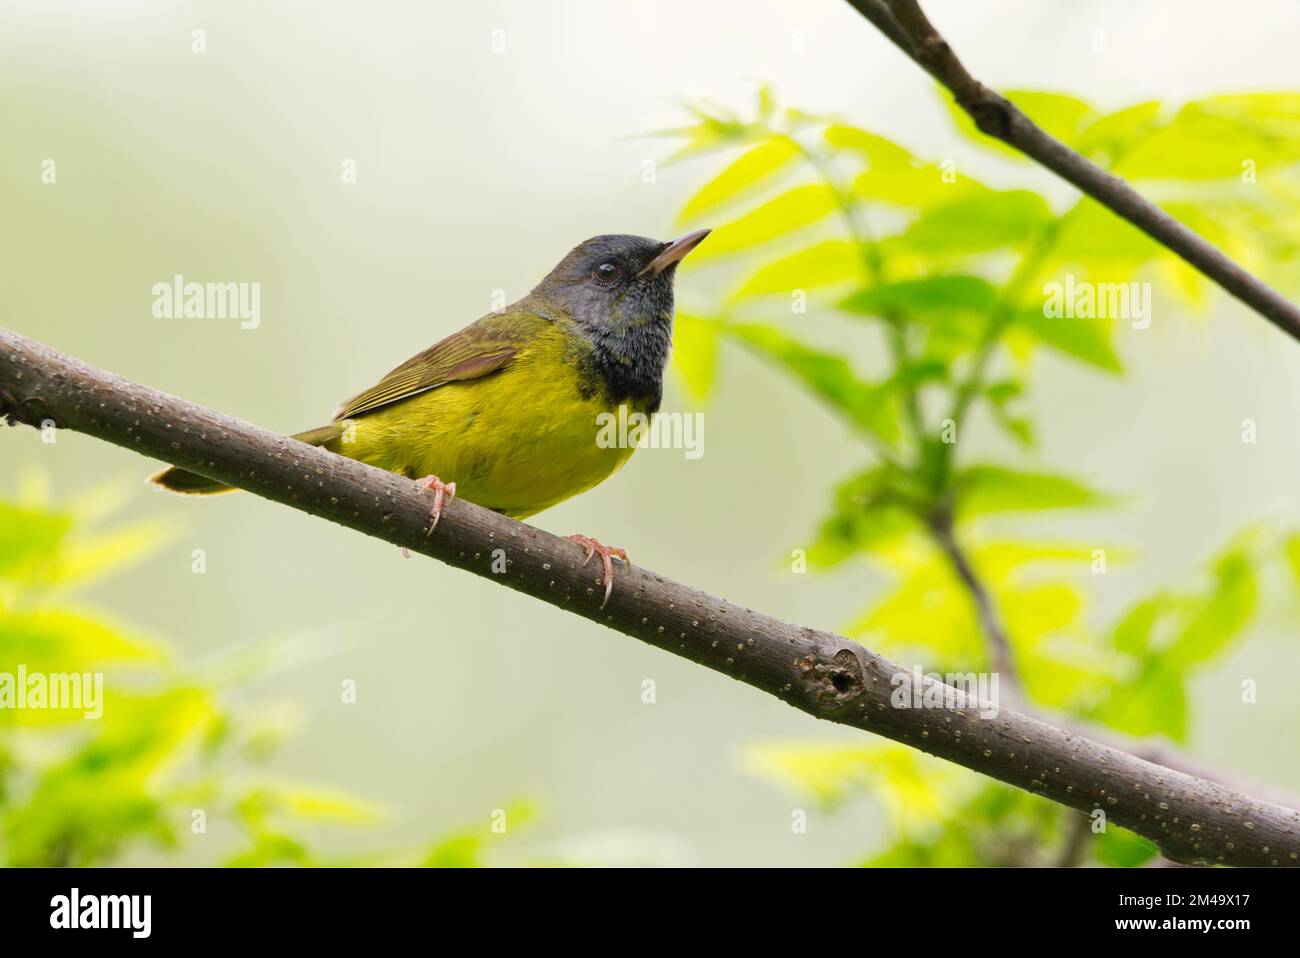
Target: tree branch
{"points": [[823, 674], [905, 24], [1078, 831], [995, 635]]}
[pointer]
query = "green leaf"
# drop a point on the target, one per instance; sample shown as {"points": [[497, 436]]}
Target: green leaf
{"points": [[1114, 133], [29, 540], [1094, 238], [848, 532], [465, 848], [59, 641], [104, 792], [978, 223], [1210, 139], [1291, 549], [928, 614], [825, 263], [1275, 115], [876, 149], [1119, 848], [1000, 396], [914, 789], [1004, 391], [894, 175], [954, 311], [985, 489], [1222, 615], [747, 171], [830, 378], [271, 849], [1087, 340], [1155, 704], [1059, 114], [914, 187], [1166, 634], [1000, 560], [456, 851], [1281, 108], [714, 129], [310, 803], [91, 559], [1136, 632], [1019, 428], [780, 216], [865, 515], [996, 826], [1039, 609], [1264, 127], [928, 296], [695, 353], [1179, 631], [1177, 153], [918, 373]]}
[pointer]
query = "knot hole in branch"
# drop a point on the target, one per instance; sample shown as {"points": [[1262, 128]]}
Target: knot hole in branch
{"points": [[833, 680]]}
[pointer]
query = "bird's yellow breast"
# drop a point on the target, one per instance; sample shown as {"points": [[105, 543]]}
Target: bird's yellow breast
{"points": [[518, 440]]}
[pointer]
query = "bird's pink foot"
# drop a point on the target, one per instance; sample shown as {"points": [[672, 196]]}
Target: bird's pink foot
{"points": [[442, 492], [606, 553]]}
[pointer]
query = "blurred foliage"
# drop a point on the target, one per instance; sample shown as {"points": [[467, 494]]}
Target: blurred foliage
{"points": [[169, 745], [823, 223]]}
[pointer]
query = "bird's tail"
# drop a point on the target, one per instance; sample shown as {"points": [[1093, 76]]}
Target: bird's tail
{"points": [[176, 479]]}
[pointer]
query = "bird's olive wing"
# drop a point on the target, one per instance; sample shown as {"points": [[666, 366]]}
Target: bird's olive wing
{"points": [[478, 350]]}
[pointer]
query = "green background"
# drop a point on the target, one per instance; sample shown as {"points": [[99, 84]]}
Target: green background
{"points": [[476, 171]]}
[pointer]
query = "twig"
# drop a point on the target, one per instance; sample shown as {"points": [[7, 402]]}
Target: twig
{"points": [[1079, 831], [823, 674], [941, 527], [908, 28]]}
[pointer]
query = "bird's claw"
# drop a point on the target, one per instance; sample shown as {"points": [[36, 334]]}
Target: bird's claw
{"points": [[442, 492], [606, 553]]}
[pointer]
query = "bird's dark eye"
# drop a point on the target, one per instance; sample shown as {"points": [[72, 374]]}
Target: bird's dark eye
{"points": [[608, 271]]}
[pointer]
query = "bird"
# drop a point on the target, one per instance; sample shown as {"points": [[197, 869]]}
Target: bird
{"points": [[505, 413]]}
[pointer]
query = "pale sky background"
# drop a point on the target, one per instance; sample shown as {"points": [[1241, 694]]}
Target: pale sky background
{"points": [[477, 171]]}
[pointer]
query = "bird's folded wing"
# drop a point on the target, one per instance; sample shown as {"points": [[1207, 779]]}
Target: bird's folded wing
{"points": [[478, 350]]}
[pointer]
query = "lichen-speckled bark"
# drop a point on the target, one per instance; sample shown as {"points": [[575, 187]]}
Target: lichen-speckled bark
{"points": [[826, 675]]}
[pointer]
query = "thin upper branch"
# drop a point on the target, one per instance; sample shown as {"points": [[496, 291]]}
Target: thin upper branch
{"points": [[995, 635], [826, 675], [908, 28]]}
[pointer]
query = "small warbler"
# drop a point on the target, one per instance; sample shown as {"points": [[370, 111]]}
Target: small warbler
{"points": [[505, 412]]}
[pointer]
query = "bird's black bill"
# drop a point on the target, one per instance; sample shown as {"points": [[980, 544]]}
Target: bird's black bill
{"points": [[674, 252]]}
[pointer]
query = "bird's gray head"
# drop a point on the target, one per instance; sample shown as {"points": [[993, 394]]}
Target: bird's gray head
{"points": [[619, 291], [618, 280]]}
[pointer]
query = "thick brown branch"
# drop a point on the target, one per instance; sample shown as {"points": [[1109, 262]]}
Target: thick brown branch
{"points": [[906, 25], [826, 675]]}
